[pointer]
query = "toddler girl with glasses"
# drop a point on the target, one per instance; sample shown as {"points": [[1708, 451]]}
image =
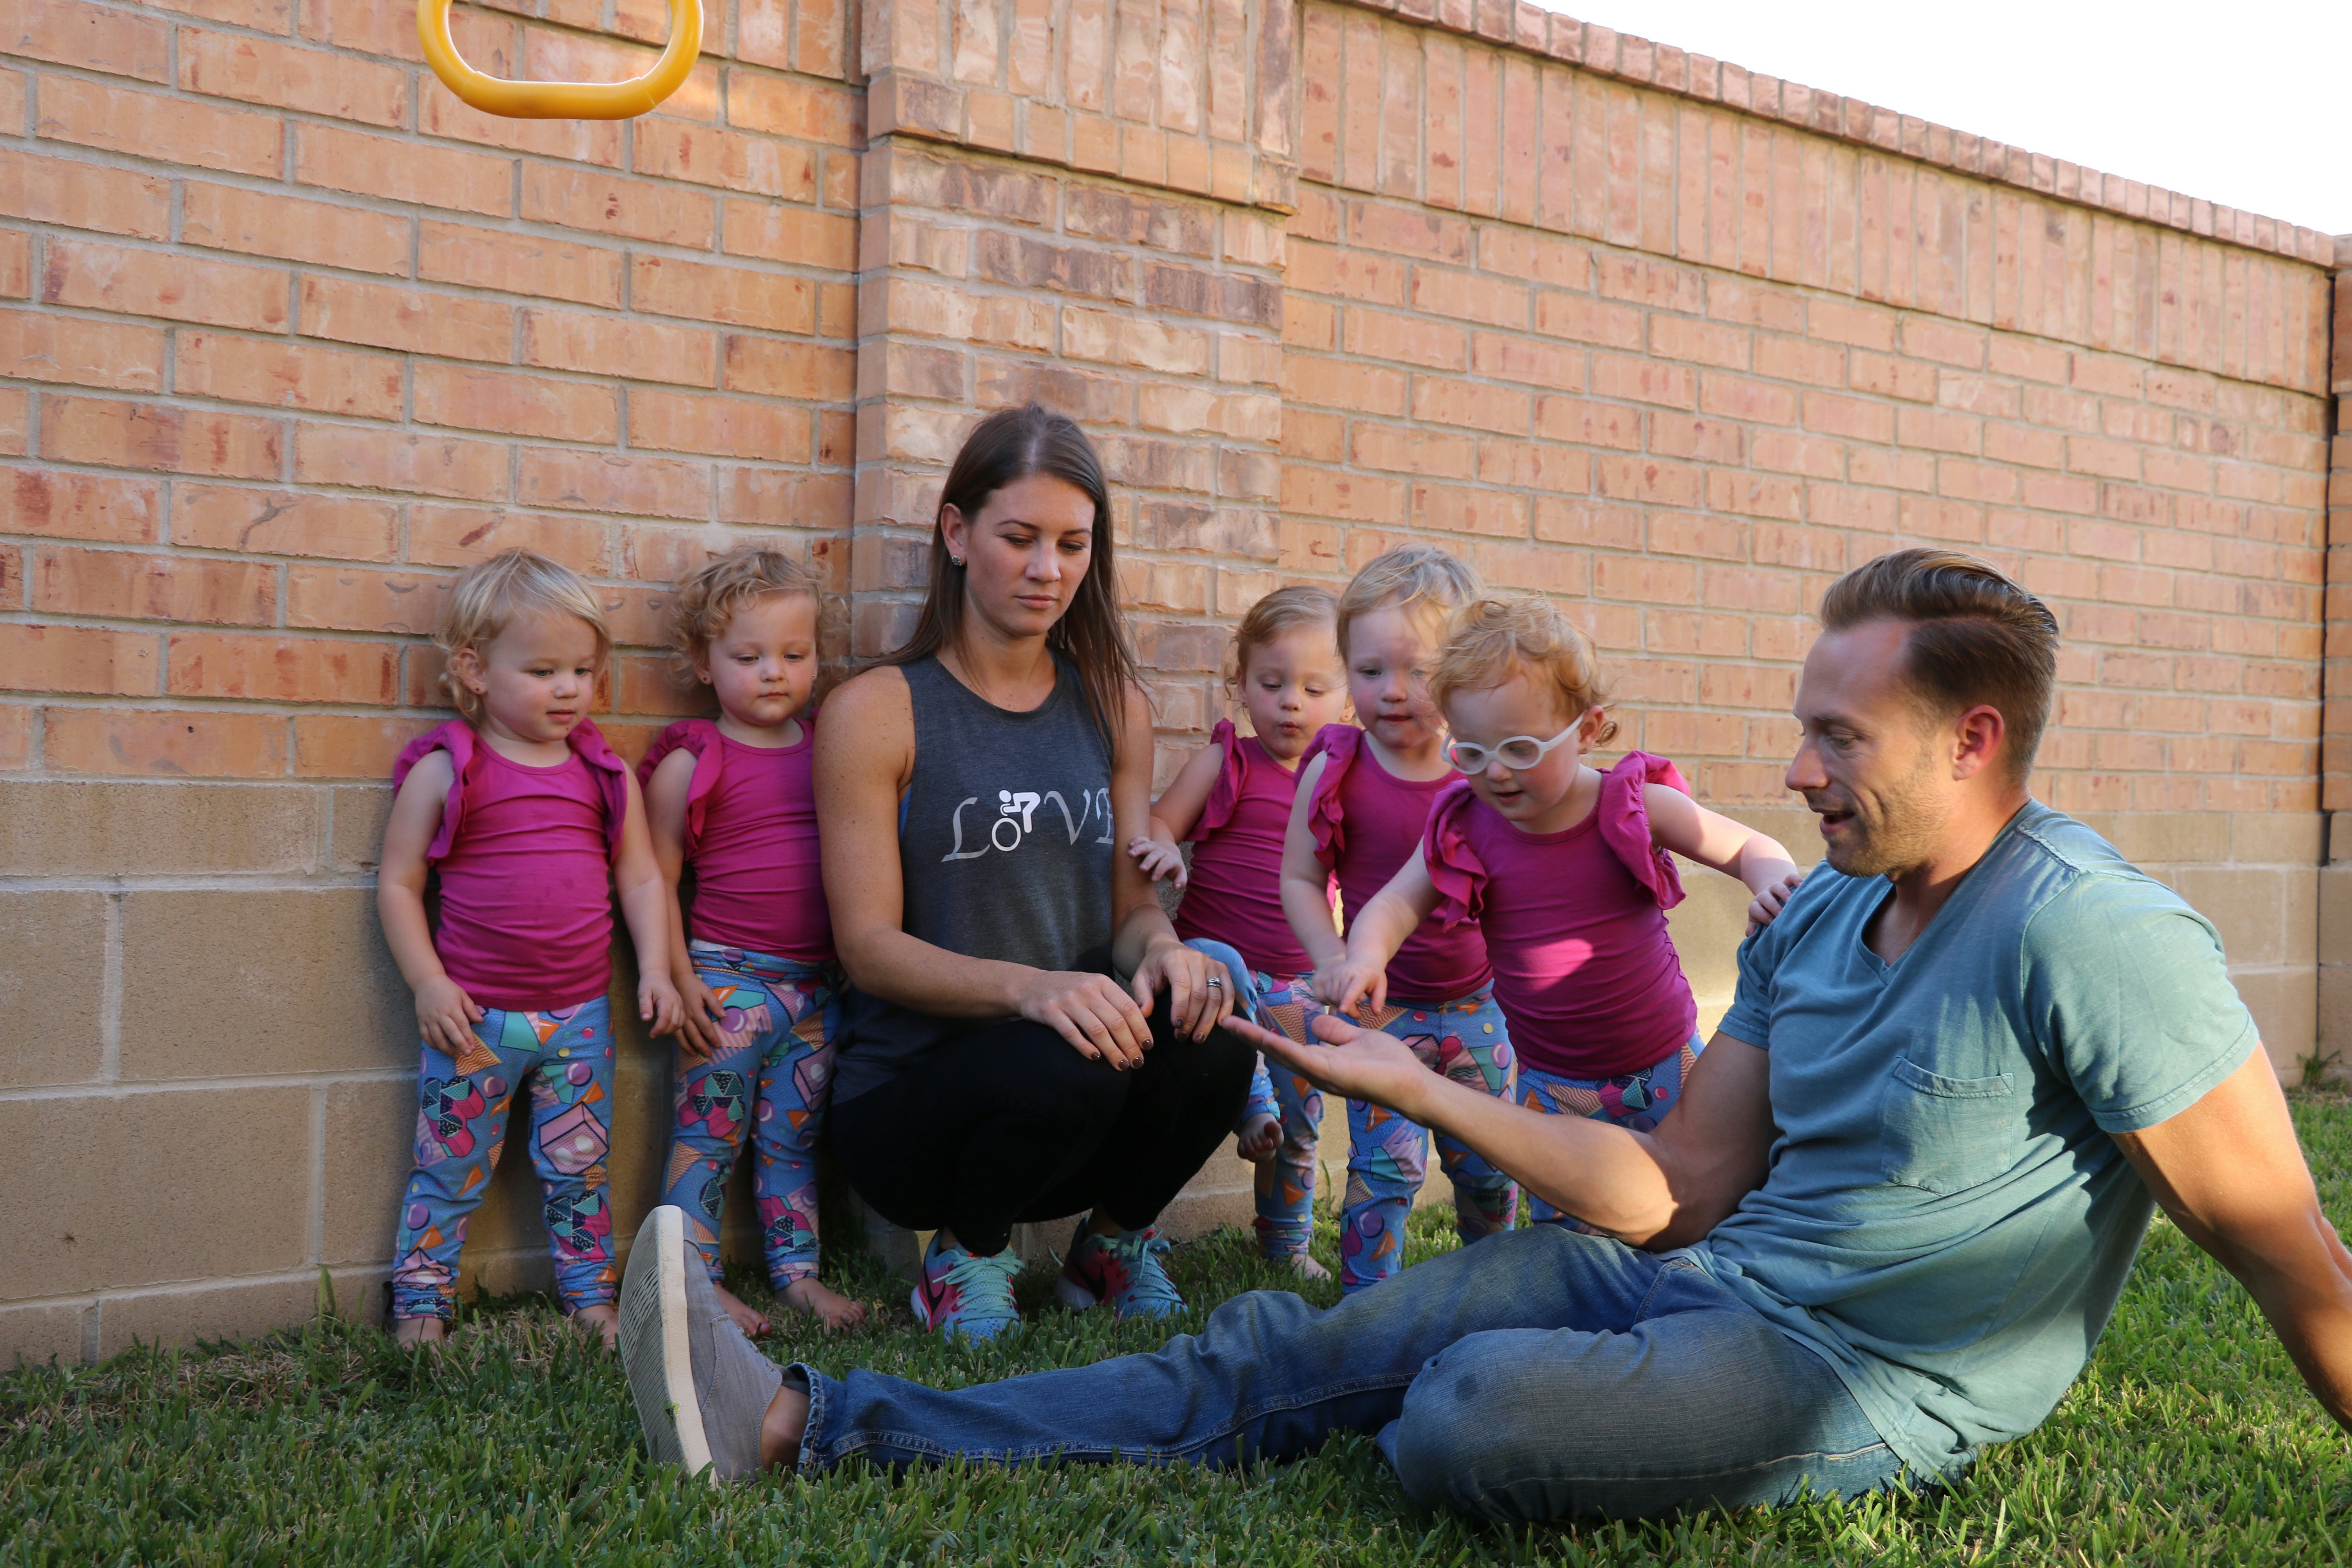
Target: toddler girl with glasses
{"points": [[1565, 870]]}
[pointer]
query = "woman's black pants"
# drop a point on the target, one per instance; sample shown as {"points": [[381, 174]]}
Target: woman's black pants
{"points": [[1009, 1123]]}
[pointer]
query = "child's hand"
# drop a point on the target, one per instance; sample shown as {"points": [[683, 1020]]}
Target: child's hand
{"points": [[1158, 857], [699, 1036], [447, 1016], [1352, 983], [657, 1003], [1258, 1137], [1772, 898]]}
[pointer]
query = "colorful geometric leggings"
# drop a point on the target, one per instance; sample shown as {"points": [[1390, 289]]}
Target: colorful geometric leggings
{"points": [[566, 1058], [780, 1019], [1388, 1156], [1285, 1180], [1636, 1101]]}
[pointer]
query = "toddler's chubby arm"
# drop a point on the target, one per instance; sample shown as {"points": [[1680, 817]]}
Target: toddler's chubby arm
{"points": [[1174, 815], [444, 1013], [1680, 824], [646, 900], [1306, 880], [666, 794], [1374, 934]]}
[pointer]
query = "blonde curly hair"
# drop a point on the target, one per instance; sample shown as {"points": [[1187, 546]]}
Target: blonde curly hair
{"points": [[491, 595], [1491, 640], [1410, 576], [712, 596]]}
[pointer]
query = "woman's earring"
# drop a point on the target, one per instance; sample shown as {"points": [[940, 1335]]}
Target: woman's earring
{"points": [[956, 562]]}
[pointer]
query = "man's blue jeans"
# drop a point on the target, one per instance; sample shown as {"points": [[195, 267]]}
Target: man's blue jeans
{"points": [[1540, 1374]]}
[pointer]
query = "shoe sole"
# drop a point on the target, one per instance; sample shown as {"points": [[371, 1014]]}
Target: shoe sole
{"points": [[655, 1351], [1075, 1296]]}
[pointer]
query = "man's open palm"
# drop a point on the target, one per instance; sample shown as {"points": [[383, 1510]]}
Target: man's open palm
{"points": [[1354, 1061]]}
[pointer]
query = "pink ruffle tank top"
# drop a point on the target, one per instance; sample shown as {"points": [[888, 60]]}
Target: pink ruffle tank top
{"points": [[1575, 922], [1367, 823], [751, 835], [1233, 893], [525, 859]]}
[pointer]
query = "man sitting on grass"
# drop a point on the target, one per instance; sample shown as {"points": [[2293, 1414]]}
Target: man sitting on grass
{"points": [[1884, 1228]]}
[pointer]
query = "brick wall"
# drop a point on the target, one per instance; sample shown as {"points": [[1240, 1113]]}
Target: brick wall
{"points": [[287, 335]]}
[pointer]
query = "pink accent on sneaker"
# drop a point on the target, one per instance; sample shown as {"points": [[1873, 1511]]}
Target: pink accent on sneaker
{"points": [[1123, 1269]]}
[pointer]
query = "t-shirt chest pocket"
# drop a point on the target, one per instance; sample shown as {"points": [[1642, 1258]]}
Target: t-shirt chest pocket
{"points": [[1945, 1134]]}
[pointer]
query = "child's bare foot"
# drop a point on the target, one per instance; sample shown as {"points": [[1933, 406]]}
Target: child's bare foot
{"points": [[410, 1332], [1257, 1137], [747, 1318], [829, 1307], [1303, 1264], [604, 1319]]}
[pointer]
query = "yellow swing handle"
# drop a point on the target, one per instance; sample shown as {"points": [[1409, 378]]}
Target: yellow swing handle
{"points": [[561, 99]]}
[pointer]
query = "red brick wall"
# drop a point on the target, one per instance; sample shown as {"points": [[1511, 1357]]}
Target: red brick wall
{"points": [[287, 335]]}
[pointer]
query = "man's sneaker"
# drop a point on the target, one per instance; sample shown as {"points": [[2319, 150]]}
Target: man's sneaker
{"points": [[702, 1389], [968, 1293], [1123, 1269]]}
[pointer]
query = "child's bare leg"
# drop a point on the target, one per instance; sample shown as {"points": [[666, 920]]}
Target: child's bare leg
{"points": [[747, 1318], [604, 1319], [410, 1332], [809, 1294]]}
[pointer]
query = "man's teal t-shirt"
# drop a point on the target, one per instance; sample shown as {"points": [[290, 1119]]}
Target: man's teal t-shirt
{"points": [[1944, 1218]]}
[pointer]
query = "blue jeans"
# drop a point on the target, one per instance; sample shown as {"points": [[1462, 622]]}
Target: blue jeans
{"points": [[1541, 1374]]}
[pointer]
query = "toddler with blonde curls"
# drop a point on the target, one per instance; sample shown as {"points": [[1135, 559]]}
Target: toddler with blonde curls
{"points": [[730, 797], [1565, 868]]}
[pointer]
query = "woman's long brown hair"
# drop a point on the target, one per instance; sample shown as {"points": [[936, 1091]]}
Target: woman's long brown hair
{"points": [[1009, 445]]}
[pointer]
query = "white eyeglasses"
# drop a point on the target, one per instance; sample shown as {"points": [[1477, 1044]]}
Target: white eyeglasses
{"points": [[1518, 753]]}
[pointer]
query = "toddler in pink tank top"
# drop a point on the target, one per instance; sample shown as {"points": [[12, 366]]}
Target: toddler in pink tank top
{"points": [[530, 823], [729, 798], [1363, 795], [1231, 800], [1564, 869]]}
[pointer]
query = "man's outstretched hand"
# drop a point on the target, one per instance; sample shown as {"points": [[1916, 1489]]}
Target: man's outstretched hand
{"points": [[1359, 1063]]}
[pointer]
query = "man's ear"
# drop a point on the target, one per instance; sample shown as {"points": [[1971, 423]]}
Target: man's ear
{"points": [[1976, 738]]}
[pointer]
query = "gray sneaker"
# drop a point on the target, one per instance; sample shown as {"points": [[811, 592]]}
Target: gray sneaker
{"points": [[702, 1389]]}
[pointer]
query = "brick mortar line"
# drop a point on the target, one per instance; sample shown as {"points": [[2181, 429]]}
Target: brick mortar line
{"points": [[118, 1088], [1602, 52], [305, 1274]]}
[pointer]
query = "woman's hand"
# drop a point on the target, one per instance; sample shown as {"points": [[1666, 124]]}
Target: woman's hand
{"points": [[1773, 896], [447, 1016], [1362, 1063], [1346, 986], [1101, 1021], [699, 1036], [1159, 858], [1199, 990]]}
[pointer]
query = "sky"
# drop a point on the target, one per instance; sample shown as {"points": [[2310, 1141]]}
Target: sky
{"points": [[2244, 102]]}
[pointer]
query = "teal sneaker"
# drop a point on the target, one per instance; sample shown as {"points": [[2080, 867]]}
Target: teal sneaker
{"points": [[1123, 1269], [968, 1293]]}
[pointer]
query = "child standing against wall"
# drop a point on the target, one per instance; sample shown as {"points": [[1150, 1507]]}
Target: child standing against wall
{"points": [[1232, 800], [531, 821], [730, 797], [1363, 797]]}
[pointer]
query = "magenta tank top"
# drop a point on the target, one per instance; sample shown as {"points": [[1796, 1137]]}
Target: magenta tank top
{"points": [[524, 855], [1575, 922], [751, 835], [1367, 823], [1233, 893]]}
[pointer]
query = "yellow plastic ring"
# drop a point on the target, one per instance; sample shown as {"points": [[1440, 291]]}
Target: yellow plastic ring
{"points": [[562, 100]]}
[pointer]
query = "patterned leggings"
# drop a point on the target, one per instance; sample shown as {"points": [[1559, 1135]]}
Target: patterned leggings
{"points": [[1388, 1156], [566, 1058], [1636, 1101], [1285, 1180], [781, 1017]]}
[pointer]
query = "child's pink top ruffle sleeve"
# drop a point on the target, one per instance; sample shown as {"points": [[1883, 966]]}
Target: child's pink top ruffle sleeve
{"points": [[1625, 822], [1327, 818], [1233, 777], [698, 737], [457, 738]]}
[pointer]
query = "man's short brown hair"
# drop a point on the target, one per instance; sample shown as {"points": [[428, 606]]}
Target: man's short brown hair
{"points": [[1976, 638]]}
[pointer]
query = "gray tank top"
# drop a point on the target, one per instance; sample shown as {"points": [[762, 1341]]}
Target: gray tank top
{"points": [[1004, 852]]}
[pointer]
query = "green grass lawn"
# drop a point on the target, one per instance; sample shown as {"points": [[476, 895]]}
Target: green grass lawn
{"points": [[2188, 1440]]}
